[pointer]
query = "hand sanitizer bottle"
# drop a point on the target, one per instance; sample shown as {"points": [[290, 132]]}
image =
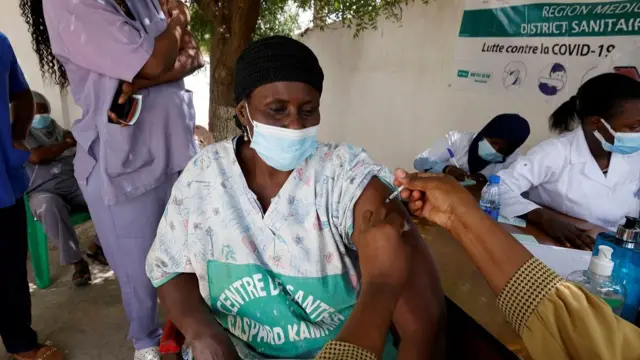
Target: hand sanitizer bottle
{"points": [[626, 259], [598, 280]]}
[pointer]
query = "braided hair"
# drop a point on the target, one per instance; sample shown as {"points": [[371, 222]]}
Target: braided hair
{"points": [[50, 67]]}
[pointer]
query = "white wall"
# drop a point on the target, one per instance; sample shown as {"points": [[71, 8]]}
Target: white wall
{"points": [[389, 91], [198, 82], [63, 108]]}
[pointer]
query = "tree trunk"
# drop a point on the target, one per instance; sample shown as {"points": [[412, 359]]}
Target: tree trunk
{"points": [[319, 14], [234, 26], [221, 102]]}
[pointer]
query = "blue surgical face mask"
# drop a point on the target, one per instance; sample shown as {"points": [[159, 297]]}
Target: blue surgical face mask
{"points": [[41, 121], [488, 153], [623, 144], [282, 149]]}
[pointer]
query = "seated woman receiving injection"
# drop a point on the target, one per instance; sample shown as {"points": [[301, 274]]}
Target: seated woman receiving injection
{"points": [[477, 155], [256, 253], [591, 172]]}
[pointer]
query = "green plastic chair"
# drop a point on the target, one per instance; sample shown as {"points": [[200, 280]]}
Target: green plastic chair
{"points": [[38, 246]]}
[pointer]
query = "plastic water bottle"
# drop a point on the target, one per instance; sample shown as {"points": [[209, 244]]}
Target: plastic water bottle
{"points": [[490, 199]]}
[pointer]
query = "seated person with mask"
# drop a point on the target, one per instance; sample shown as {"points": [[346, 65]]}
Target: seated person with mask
{"points": [[589, 172], [477, 155], [262, 250], [53, 190]]}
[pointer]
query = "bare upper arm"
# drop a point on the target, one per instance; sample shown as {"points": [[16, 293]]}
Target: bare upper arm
{"points": [[373, 197], [420, 311]]}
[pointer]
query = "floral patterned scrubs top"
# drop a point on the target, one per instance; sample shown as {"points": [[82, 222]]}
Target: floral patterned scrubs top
{"points": [[281, 282]]}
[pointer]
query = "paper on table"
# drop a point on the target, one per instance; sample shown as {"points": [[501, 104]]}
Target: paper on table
{"points": [[468, 182], [561, 260], [512, 221], [525, 239]]}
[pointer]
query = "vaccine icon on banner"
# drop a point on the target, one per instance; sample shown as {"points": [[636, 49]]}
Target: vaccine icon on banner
{"points": [[514, 74], [553, 79]]}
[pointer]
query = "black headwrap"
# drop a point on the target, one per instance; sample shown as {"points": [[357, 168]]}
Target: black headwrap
{"points": [[275, 59], [512, 128]]}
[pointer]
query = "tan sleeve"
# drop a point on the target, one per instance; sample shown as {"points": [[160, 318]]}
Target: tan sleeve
{"points": [[558, 320], [337, 350]]}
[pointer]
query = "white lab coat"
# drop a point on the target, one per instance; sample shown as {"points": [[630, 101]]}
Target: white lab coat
{"points": [[560, 173], [436, 158]]}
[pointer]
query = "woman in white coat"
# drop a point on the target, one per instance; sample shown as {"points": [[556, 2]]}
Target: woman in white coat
{"points": [[477, 155], [591, 172]]}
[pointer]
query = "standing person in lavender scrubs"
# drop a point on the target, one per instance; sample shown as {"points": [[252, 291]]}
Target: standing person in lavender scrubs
{"points": [[125, 173]]}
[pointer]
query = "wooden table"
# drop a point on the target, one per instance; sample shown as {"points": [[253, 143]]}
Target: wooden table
{"points": [[465, 285]]}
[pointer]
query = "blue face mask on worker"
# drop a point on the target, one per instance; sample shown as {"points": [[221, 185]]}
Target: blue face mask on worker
{"points": [[623, 144], [41, 121], [488, 153], [281, 148]]}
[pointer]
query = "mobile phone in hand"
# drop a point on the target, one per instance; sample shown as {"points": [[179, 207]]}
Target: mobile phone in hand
{"points": [[127, 112]]}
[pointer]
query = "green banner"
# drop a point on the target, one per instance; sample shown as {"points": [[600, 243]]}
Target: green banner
{"points": [[598, 19]]}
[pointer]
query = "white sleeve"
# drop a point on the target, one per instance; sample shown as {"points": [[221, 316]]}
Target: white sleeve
{"points": [[511, 159], [436, 158], [529, 171]]}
